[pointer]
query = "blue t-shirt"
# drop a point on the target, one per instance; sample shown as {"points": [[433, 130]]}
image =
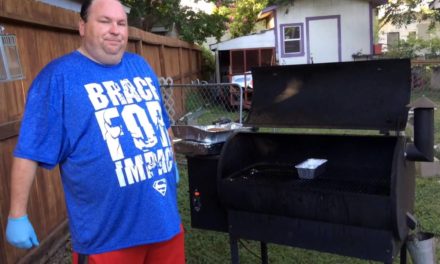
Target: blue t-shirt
{"points": [[106, 127]]}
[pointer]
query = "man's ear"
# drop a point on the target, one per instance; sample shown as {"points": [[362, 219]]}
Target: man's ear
{"points": [[81, 27]]}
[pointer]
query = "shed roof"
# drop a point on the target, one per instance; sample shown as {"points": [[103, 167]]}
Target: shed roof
{"points": [[263, 39]]}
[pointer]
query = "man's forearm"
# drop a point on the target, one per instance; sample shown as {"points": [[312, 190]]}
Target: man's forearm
{"points": [[22, 177]]}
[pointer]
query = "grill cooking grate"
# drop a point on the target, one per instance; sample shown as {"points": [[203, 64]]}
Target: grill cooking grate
{"points": [[286, 176]]}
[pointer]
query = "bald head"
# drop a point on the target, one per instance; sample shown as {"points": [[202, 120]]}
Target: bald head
{"points": [[104, 30], [85, 9]]}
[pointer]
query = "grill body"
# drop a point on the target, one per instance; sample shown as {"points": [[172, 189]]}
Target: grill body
{"points": [[359, 203], [356, 207]]}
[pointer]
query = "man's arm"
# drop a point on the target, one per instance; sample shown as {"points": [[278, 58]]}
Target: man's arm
{"points": [[19, 231], [22, 177]]}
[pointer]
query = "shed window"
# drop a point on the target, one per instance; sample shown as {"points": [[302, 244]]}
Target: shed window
{"points": [[292, 40]]}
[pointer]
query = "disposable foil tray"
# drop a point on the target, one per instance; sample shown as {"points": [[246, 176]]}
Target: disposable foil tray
{"points": [[311, 168], [193, 148], [207, 134]]}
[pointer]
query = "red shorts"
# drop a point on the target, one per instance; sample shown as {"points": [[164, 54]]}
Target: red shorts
{"points": [[167, 252]]}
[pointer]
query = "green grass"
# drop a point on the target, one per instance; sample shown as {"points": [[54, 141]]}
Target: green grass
{"points": [[427, 207]]}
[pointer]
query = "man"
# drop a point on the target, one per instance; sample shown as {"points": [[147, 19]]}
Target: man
{"points": [[98, 113]]}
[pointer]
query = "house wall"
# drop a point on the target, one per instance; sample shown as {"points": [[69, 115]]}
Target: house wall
{"points": [[420, 29], [354, 25]]}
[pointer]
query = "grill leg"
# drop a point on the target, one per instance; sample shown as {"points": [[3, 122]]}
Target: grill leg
{"points": [[233, 241], [403, 254], [264, 258]]}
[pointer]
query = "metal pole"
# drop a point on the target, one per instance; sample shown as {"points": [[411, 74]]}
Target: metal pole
{"points": [[235, 258], [264, 258], [217, 67], [241, 103], [403, 254]]}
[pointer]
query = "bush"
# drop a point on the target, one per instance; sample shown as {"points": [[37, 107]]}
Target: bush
{"points": [[414, 47], [208, 64]]}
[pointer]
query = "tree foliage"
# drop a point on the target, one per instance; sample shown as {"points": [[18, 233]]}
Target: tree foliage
{"points": [[403, 12], [243, 14], [414, 47], [197, 26], [239, 16], [145, 14], [192, 26]]}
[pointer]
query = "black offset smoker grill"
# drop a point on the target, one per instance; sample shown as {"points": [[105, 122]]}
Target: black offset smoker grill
{"points": [[358, 204]]}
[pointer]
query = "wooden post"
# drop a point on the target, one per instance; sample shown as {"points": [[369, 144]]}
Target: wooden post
{"points": [[139, 48], [163, 72], [182, 77]]}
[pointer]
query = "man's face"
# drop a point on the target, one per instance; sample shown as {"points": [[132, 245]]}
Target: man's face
{"points": [[105, 34]]}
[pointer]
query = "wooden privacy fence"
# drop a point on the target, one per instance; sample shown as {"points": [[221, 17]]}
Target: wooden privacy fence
{"points": [[43, 33]]}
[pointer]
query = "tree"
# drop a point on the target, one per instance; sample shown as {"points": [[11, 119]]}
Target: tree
{"points": [[403, 12], [193, 26], [197, 26], [243, 14], [144, 14]]}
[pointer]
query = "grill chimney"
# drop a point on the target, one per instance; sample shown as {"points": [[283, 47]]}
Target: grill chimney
{"points": [[423, 147]]}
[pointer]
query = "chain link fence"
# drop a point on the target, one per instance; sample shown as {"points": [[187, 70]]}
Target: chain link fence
{"points": [[202, 103]]}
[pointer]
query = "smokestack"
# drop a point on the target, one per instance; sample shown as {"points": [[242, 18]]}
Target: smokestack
{"points": [[422, 149]]}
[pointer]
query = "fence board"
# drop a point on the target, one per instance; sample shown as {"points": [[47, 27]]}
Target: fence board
{"points": [[425, 62], [43, 33], [9, 129], [171, 60], [152, 54]]}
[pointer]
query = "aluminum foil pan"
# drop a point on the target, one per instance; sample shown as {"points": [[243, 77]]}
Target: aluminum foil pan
{"points": [[193, 148], [311, 168], [207, 134]]}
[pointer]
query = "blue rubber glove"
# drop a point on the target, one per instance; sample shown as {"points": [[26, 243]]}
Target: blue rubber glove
{"points": [[176, 172], [20, 233]]}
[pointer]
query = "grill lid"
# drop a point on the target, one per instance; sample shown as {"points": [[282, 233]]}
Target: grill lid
{"points": [[348, 95]]}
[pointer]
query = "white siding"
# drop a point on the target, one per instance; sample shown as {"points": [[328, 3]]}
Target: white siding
{"points": [[420, 28], [355, 29]]}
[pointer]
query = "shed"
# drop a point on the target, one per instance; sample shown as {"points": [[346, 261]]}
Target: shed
{"points": [[306, 31]]}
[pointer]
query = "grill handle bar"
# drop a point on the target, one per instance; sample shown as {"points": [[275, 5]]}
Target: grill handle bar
{"points": [[411, 221]]}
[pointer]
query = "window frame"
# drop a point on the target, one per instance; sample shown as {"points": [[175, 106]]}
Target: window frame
{"points": [[301, 52]]}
